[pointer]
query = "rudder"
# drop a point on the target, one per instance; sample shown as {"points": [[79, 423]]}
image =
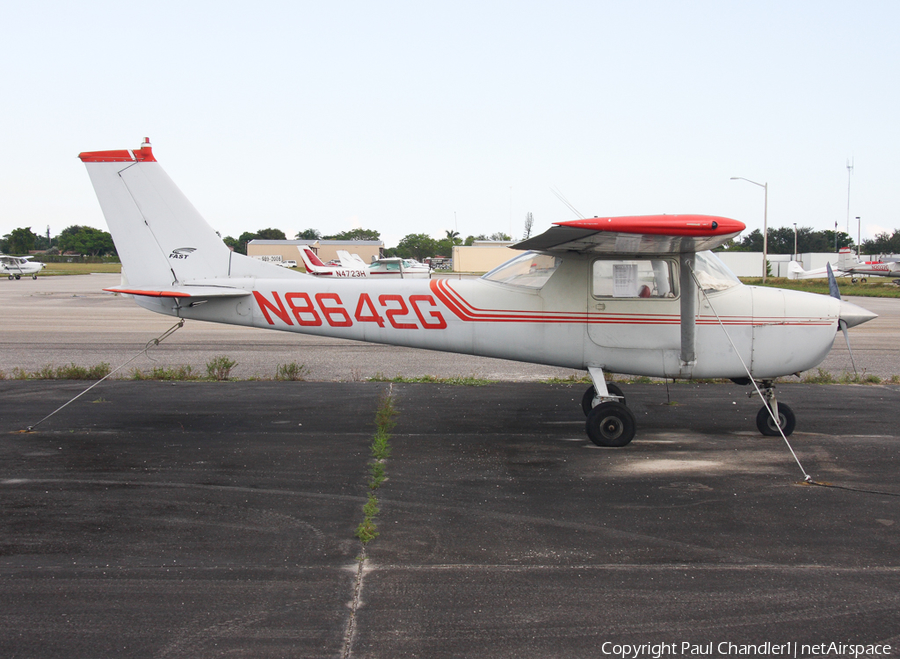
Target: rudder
{"points": [[159, 235]]}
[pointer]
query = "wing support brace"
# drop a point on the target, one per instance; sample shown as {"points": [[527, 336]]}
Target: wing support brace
{"points": [[688, 308]]}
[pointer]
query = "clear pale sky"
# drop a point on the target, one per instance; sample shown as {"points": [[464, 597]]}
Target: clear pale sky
{"points": [[419, 117]]}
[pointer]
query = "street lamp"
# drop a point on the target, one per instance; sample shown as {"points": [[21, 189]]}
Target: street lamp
{"points": [[795, 243], [765, 187]]}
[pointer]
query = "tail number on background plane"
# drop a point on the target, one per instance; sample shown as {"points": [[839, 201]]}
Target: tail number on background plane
{"points": [[312, 311]]}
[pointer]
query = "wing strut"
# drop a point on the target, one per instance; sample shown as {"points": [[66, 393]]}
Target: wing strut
{"points": [[688, 308]]}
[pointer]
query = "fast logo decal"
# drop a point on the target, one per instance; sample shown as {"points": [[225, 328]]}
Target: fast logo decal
{"points": [[182, 252]]}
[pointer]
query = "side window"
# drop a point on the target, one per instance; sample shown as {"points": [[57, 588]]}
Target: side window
{"points": [[638, 278]]}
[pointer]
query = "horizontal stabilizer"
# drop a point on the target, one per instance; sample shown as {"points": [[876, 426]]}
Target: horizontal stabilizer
{"points": [[186, 291]]}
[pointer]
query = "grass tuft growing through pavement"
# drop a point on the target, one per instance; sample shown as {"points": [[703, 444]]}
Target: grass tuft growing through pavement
{"points": [[380, 449]]}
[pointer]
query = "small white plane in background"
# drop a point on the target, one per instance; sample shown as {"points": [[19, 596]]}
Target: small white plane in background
{"points": [[636, 295], [16, 266], [849, 265], [353, 267]]}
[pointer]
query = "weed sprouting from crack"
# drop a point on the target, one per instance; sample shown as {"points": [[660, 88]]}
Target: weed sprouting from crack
{"points": [[381, 450]]}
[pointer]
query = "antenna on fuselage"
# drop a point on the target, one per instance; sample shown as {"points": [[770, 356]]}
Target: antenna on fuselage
{"points": [[562, 198]]}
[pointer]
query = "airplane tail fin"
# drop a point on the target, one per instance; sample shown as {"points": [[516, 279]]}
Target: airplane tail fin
{"points": [[311, 260], [161, 238], [795, 270], [349, 260], [846, 258]]}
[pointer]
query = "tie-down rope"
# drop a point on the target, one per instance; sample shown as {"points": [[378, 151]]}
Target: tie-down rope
{"points": [[151, 343], [806, 477]]}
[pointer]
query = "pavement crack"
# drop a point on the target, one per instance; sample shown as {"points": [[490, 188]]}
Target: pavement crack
{"points": [[350, 631]]}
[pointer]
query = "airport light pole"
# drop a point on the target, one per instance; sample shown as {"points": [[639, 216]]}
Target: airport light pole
{"points": [[795, 243], [858, 237], [765, 187]]}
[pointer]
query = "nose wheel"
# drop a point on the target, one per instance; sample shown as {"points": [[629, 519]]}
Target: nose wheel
{"points": [[765, 421], [786, 419]]}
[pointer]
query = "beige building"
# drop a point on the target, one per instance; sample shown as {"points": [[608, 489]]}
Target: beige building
{"points": [[289, 250], [482, 255]]}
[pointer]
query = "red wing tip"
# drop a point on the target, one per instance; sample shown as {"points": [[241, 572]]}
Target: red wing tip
{"points": [[676, 225]]}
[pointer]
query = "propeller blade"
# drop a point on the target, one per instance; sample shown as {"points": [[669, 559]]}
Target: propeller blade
{"points": [[843, 325], [832, 283]]}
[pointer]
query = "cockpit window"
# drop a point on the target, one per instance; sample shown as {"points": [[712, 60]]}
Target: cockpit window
{"points": [[634, 278], [529, 270], [712, 274]]}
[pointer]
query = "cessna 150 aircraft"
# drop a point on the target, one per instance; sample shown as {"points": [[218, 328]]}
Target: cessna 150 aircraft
{"points": [[637, 295], [16, 266]]}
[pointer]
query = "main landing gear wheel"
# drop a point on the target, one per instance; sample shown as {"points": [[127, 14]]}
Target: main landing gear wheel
{"points": [[610, 424], [587, 401], [766, 423]]}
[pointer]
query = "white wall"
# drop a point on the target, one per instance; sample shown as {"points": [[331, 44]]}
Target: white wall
{"points": [[749, 264]]}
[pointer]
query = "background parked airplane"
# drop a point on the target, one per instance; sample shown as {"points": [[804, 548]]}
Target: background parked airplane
{"points": [[16, 266], [352, 266], [849, 265]]}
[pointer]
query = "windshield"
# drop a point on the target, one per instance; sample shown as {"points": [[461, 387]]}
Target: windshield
{"points": [[529, 270], [712, 274]]}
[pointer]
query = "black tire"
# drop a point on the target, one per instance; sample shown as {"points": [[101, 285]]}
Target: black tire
{"points": [[18, 276], [862, 281], [587, 400], [610, 424], [786, 420]]}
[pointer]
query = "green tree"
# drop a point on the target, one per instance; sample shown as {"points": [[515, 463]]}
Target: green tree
{"points": [[883, 243], [309, 234], [240, 245], [20, 241], [355, 234], [417, 246], [781, 241], [270, 234], [86, 240]]}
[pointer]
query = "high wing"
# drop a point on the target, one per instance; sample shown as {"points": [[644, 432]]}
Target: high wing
{"points": [[684, 235], [643, 234]]}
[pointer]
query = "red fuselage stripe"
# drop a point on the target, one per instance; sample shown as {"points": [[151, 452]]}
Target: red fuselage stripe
{"points": [[469, 313]]}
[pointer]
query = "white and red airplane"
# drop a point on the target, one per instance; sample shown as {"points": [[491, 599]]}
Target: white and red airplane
{"points": [[636, 295], [315, 266], [849, 265], [352, 266]]}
